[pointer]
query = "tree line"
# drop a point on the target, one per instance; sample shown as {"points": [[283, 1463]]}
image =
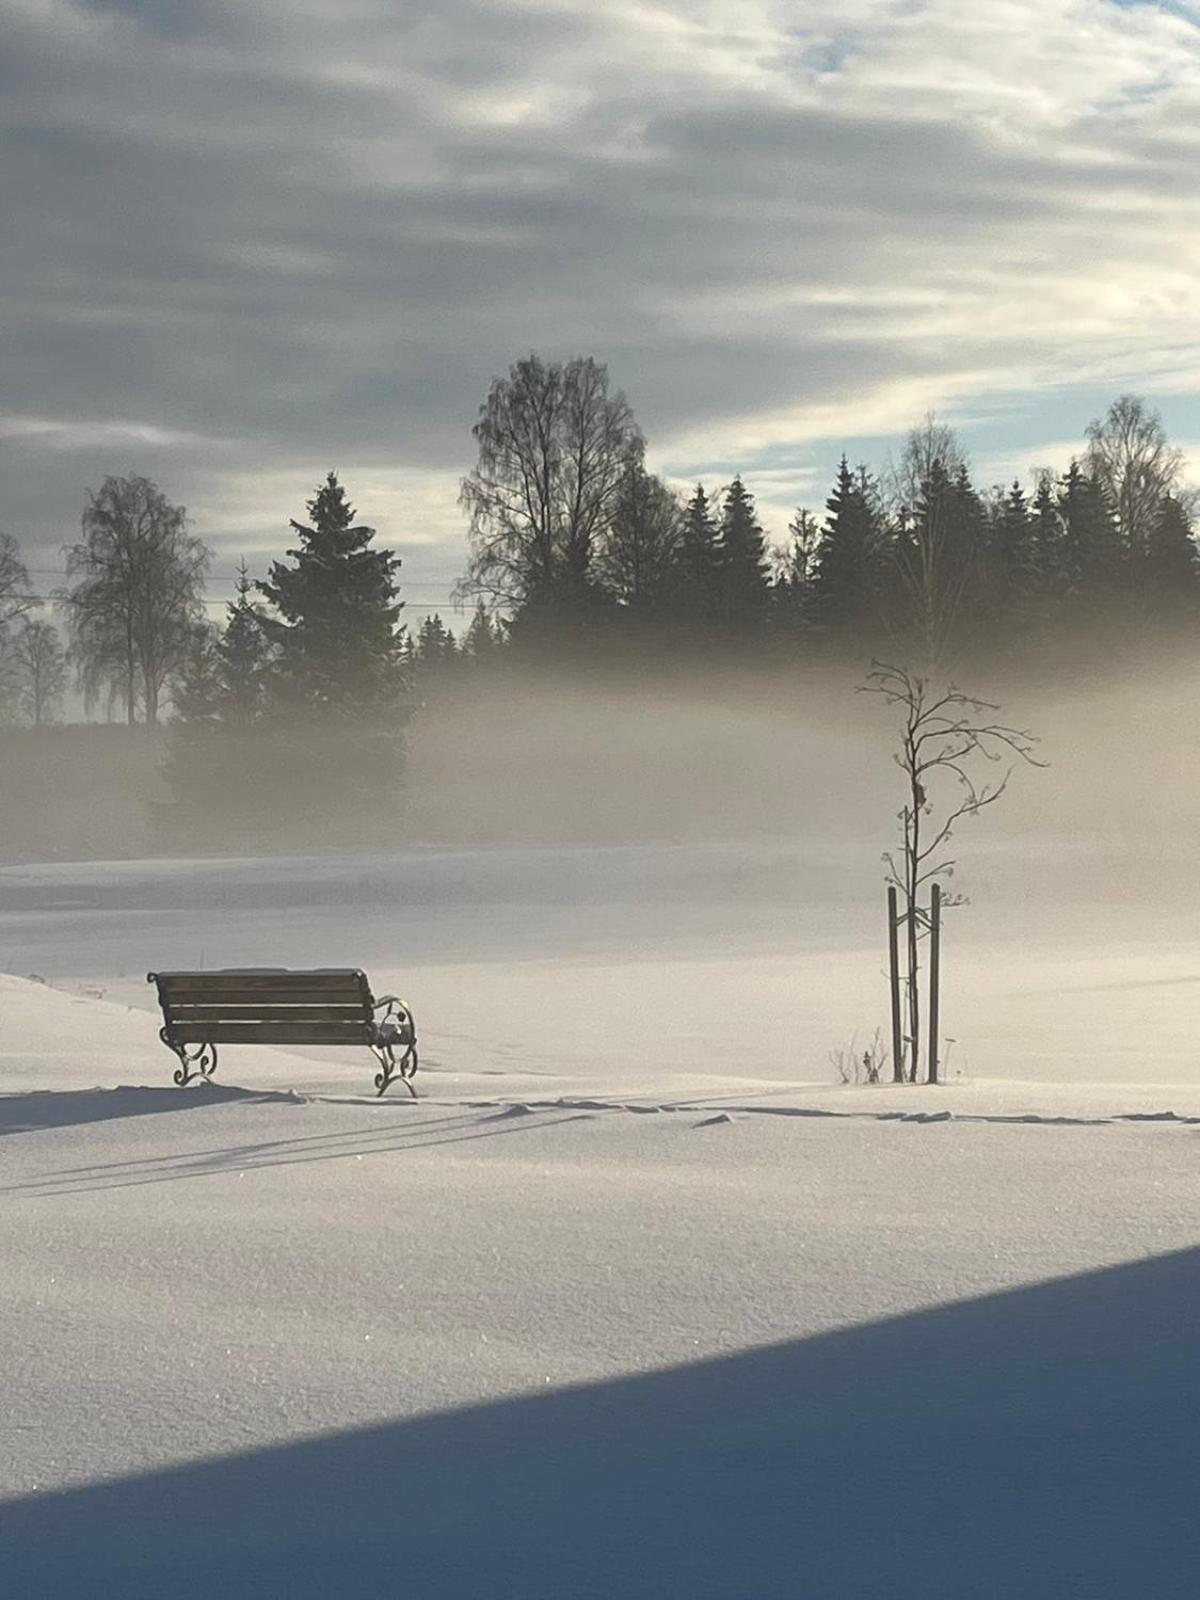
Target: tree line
{"points": [[570, 534], [576, 549]]}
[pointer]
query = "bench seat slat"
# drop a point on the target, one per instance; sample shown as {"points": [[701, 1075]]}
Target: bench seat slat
{"points": [[262, 980], [250, 978], [270, 1033], [352, 1011], [235, 996]]}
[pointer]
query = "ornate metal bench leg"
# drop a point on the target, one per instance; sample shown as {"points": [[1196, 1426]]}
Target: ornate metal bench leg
{"points": [[200, 1063], [387, 1064], [391, 1068]]}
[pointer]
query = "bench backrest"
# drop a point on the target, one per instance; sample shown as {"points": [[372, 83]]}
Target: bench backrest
{"points": [[264, 1005]]}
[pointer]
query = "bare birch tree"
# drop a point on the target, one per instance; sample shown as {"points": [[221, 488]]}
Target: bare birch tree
{"points": [[15, 601], [138, 578], [553, 443], [932, 567], [931, 442], [945, 738], [41, 670], [15, 598], [1133, 462]]}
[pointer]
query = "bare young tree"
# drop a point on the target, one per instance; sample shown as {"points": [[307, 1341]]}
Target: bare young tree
{"points": [[1133, 462], [931, 565], [945, 738], [553, 443], [792, 563], [138, 578], [41, 671]]}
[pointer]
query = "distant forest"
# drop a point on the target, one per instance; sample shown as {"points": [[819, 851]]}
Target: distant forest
{"points": [[301, 702]]}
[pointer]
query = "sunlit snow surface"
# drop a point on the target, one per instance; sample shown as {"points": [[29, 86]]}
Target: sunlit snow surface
{"points": [[635, 1301]]}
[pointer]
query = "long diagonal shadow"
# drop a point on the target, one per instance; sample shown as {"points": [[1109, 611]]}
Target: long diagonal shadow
{"points": [[263, 1148], [1031, 1445], [377, 1140]]}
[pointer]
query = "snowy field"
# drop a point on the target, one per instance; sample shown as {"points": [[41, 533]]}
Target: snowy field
{"points": [[635, 1301]]}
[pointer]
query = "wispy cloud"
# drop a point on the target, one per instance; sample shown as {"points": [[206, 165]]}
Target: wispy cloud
{"points": [[311, 232]]}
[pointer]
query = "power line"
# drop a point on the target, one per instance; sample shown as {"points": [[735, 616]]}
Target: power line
{"points": [[421, 583], [213, 600]]}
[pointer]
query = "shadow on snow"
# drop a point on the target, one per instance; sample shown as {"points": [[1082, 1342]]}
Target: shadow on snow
{"points": [[385, 1134], [66, 1108], [1036, 1443]]}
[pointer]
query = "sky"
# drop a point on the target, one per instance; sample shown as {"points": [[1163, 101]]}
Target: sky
{"points": [[245, 243]]}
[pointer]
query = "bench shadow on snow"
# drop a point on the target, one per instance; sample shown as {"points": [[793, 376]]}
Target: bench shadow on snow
{"points": [[66, 1108], [1036, 1443]]}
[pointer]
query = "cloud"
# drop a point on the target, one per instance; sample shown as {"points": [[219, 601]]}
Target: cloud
{"points": [[242, 242]]}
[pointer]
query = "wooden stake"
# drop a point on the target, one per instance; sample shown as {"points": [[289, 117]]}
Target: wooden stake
{"points": [[935, 976], [894, 981]]}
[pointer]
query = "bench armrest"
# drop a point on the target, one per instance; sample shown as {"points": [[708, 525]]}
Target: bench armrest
{"points": [[397, 1020]]}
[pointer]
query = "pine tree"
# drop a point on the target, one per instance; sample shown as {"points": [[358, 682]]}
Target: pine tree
{"points": [[967, 542], [243, 656], [1046, 535], [1013, 558], [744, 574], [338, 611], [329, 745], [1169, 560], [845, 565], [436, 645], [1090, 556], [699, 560], [196, 695], [483, 641]]}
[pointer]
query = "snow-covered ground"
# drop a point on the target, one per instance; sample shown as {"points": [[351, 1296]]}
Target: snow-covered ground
{"points": [[635, 1301]]}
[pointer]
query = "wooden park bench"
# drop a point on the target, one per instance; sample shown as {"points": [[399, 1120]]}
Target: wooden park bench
{"points": [[273, 1005]]}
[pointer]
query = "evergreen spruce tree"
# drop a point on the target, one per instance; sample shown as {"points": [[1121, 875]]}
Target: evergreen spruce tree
{"points": [[744, 574], [966, 548], [845, 564], [437, 647], [483, 641], [217, 747], [196, 764], [243, 656], [406, 652], [337, 609], [1169, 569], [196, 691], [1014, 560], [699, 561], [331, 738], [1046, 537], [1090, 556]]}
